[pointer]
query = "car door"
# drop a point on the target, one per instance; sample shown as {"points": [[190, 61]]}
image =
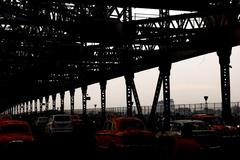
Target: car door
{"points": [[104, 136]]}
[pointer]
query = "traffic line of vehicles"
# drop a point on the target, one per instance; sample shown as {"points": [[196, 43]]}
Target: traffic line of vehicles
{"points": [[119, 134]]}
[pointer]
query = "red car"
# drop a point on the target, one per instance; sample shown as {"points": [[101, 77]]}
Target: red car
{"points": [[216, 123], [124, 132], [15, 132]]}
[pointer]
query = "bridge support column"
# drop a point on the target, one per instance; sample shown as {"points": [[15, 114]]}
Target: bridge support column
{"points": [[135, 94], [18, 109], [47, 103], [31, 106], [72, 92], [23, 107], [40, 104], [166, 94], [54, 102], [103, 85], [35, 110], [128, 80], [27, 110], [11, 111], [15, 110], [152, 117], [224, 60], [62, 101], [84, 101]]}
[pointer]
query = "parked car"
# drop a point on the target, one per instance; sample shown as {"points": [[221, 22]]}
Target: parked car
{"points": [[189, 139], [77, 123], [14, 132], [39, 126], [41, 122], [59, 123], [216, 123], [188, 126], [119, 133], [76, 120]]}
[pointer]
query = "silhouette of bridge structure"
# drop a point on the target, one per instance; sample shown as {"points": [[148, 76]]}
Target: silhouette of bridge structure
{"points": [[49, 47]]}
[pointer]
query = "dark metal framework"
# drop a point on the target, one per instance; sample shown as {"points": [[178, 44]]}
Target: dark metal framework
{"points": [[49, 46], [72, 92], [103, 99], [224, 60]]}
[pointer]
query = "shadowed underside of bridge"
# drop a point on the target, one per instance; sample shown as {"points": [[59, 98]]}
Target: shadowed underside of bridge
{"points": [[48, 46]]}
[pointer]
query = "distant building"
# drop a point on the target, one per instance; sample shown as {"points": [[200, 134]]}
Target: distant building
{"points": [[160, 106], [183, 112]]}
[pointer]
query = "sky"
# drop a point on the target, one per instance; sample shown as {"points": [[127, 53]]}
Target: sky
{"points": [[190, 81]]}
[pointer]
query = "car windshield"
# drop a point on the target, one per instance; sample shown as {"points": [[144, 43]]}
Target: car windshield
{"points": [[216, 121], [200, 126], [42, 119], [131, 124], [14, 128], [62, 118], [177, 126]]}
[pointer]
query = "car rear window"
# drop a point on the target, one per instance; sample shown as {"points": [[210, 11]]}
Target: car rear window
{"points": [[133, 124], [62, 118], [43, 119], [14, 128]]}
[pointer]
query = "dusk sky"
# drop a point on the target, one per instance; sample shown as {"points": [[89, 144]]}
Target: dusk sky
{"points": [[190, 81]]}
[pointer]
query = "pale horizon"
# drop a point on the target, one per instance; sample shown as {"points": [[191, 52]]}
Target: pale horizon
{"points": [[190, 81]]}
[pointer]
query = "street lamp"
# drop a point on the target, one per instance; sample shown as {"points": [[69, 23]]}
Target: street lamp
{"points": [[95, 108], [206, 104], [88, 97]]}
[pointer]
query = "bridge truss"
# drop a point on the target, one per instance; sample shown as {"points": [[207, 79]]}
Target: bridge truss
{"points": [[50, 46]]}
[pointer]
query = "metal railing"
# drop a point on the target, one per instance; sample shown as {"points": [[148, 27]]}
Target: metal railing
{"points": [[176, 109]]}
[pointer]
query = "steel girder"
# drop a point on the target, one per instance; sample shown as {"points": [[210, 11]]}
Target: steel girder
{"points": [[50, 46]]}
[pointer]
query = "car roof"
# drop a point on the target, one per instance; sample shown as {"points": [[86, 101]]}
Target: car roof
{"points": [[120, 119], [13, 121], [205, 116], [42, 117], [184, 121], [61, 115]]}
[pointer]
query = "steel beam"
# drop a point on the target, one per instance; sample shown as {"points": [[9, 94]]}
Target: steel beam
{"points": [[136, 98], [47, 103], [224, 60], [103, 84], [128, 81], [166, 95], [31, 106], [62, 94], [84, 101], [72, 92], [35, 106], [27, 109], [54, 102], [41, 105], [152, 116]]}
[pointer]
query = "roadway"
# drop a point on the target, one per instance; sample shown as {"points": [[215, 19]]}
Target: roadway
{"points": [[81, 145]]}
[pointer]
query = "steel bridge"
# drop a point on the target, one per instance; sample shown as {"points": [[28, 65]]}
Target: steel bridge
{"points": [[51, 46]]}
